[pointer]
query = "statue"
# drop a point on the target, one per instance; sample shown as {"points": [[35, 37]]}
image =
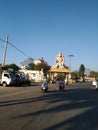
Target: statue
{"points": [[59, 62]]}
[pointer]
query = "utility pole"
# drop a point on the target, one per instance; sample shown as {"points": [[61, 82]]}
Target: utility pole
{"points": [[4, 54]]}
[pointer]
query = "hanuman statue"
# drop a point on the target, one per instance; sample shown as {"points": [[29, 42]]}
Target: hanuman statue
{"points": [[59, 62]]}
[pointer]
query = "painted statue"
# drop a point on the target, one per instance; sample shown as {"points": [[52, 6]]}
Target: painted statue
{"points": [[59, 62]]}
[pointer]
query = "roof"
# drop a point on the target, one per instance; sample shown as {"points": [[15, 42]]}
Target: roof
{"points": [[56, 70]]}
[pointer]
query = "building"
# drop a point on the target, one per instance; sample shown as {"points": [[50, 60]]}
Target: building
{"points": [[33, 75]]}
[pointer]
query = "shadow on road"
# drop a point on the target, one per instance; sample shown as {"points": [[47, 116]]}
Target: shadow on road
{"points": [[85, 99]]}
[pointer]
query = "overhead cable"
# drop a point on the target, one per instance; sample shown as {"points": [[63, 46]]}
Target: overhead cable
{"points": [[16, 48]]}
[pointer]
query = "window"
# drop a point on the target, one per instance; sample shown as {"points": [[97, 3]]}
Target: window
{"points": [[6, 75]]}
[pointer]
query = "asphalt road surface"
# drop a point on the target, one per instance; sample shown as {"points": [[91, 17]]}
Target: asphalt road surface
{"points": [[26, 108]]}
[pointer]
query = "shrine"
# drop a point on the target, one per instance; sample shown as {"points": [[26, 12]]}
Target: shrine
{"points": [[59, 67]]}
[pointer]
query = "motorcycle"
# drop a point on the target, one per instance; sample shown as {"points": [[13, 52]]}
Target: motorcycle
{"points": [[61, 85], [44, 86]]}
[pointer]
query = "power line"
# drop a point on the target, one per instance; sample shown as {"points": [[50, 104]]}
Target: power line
{"points": [[16, 48], [2, 40]]}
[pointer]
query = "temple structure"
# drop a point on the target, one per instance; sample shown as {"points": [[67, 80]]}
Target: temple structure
{"points": [[59, 67]]}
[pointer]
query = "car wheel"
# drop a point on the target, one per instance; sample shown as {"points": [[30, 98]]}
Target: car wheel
{"points": [[4, 84]]}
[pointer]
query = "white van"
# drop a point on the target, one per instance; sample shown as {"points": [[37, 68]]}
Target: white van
{"points": [[7, 78]]}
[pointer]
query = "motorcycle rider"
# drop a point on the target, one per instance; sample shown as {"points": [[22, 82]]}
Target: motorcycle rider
{"points": [[45, 84]]}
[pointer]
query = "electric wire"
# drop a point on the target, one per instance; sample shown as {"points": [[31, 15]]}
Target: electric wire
{"points": [[16, 48]]}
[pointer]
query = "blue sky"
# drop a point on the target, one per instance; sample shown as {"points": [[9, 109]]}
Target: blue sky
{"points": [[42, 28]]}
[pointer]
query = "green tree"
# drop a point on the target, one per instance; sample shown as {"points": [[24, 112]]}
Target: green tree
{"points": [[93, 74], [31, 66], [75, 75], [43, 66], [82, 70], [13, 66]]}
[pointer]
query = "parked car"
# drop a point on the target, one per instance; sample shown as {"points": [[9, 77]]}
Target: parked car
{"points": [[20, 78]]}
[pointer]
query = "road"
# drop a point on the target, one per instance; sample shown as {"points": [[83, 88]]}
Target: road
{"points": [[26, 108]]}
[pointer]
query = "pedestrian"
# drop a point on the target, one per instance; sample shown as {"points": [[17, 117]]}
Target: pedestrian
{"points": [[66, 81]]}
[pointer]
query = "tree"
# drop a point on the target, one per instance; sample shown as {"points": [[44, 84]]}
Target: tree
{"points": [[12, 66], [82, 70], [93, 74], [43, 66], [75, 75], [31, 66]]}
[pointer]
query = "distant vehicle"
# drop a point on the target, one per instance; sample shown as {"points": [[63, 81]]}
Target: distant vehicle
{"points": [[80, 80], [53, 81], [7, 78], [61, 85]]}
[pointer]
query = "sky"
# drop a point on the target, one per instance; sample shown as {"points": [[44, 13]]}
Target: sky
{"points": [[43, 28]]}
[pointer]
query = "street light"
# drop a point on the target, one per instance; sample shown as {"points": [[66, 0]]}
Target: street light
{"points": [[70, 56]]}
